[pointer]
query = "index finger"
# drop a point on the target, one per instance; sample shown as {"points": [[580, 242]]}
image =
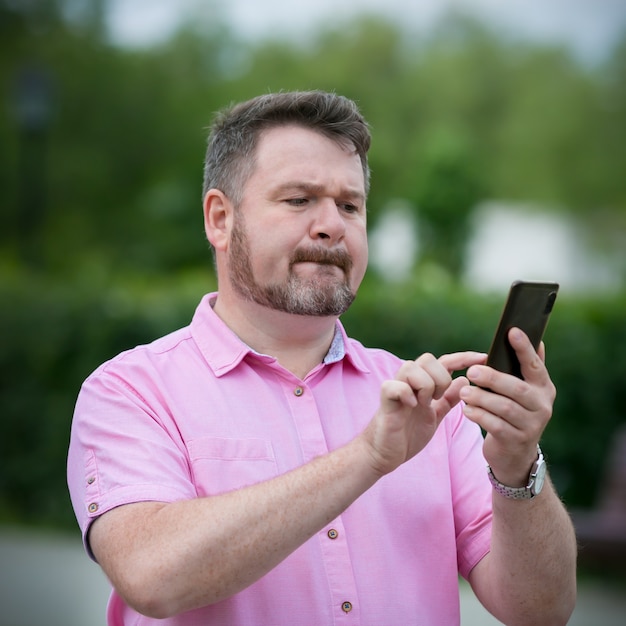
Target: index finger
{"points": [[457, 361]]}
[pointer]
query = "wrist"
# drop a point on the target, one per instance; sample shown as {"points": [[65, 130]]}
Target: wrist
{"points": [[531, 487], [370, 462]]}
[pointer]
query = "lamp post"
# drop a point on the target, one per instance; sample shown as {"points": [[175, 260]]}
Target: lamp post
{"points": [[33, 112]]}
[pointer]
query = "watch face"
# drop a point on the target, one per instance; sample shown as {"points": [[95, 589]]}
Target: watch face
{"points": [[540, 477]]}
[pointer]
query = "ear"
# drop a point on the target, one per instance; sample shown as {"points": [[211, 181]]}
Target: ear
{"points": [[218, 212]]}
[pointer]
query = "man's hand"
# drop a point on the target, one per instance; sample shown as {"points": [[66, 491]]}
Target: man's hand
{"points": [[412, 406], [513, 412], [529, 575]]}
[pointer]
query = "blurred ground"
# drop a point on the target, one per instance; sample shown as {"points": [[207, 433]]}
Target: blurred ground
{"points": [[47, 579]]}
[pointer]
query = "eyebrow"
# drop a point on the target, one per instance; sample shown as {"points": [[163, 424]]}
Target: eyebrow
{"points": [[316, 190]]}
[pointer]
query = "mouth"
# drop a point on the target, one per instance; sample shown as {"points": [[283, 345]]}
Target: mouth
{"points": [[321, 257], [314, 267]]}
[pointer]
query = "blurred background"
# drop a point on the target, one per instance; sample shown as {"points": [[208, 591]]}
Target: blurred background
{"points": [[499, 152]]}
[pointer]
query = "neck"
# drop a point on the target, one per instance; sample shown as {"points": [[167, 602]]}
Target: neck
{"points": [[298, 342]]}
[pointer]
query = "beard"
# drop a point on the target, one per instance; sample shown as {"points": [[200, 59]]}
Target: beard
{"points": [[320, 295]]}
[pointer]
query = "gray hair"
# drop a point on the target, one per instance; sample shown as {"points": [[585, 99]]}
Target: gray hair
{"points": [[234, 134]]}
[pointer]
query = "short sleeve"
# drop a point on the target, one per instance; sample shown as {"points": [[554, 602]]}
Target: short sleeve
{"points": [[122, 449], [471, 491]]}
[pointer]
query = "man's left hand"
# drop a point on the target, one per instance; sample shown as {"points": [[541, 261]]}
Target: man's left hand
{"points": [[514, 412]]}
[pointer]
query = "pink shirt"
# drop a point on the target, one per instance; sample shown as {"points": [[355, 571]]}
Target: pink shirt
{"points": [[198, 413]]}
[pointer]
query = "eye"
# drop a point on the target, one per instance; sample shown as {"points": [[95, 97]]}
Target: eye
{"points": [[348, 207], [297, 201]]}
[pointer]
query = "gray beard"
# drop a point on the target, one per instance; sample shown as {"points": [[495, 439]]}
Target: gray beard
{"points": [[306, 298], [317, 296]]}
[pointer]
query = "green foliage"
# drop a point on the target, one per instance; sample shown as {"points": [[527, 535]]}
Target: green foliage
{"points": [[116, 173], [55, 334], [448, 186], [107, 185]]}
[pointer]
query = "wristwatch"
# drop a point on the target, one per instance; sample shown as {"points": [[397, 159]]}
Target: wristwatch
{"points": [[536, 480]]}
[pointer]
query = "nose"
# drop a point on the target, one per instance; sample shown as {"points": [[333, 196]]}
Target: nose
{"points": [[328, 223]]}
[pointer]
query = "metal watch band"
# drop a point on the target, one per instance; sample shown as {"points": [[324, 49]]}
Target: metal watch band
{"points": [[516, 493]]}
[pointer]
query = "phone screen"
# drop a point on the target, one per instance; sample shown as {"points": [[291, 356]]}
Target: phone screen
{"points": [[528, 307]]}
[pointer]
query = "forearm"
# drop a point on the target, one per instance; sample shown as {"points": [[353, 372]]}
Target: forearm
{"points": [[197, 552], [529, 577]]}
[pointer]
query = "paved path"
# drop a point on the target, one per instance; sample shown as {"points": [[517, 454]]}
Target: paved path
{"points": [[47, 580]]}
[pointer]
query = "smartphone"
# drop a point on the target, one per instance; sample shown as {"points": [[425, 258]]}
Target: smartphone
{"points": [[528, 307]]}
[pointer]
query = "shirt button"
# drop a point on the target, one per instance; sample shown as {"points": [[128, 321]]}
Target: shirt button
{"points": [[91, 480], [93, 507], [346, 607], [298, 391], [332, 534]]}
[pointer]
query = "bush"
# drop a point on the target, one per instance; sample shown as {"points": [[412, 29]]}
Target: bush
{"points": [[56, 334]]}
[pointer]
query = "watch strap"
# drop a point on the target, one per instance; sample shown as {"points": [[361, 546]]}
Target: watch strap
{"points": [[518, 493]]}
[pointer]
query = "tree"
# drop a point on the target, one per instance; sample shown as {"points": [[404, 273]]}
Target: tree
{"points": [[447, 188]]}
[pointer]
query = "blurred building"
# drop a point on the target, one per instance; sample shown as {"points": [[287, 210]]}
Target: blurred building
{"points": [[512, 242], [508, 242]]}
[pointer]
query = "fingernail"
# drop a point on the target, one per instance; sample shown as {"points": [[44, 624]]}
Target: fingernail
{"points": [[473, 373]]}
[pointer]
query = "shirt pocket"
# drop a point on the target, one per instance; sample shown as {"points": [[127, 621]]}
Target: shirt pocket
{"points": [[219, 465]]}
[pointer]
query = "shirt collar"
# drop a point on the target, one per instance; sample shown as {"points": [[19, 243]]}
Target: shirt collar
{"points": [[223, 350], [337, 349]]}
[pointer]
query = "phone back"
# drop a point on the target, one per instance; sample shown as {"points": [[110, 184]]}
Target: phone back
{"points": [[528, 307]]}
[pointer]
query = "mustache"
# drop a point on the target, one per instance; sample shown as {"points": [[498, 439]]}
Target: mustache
{"points": [[323, 256]]}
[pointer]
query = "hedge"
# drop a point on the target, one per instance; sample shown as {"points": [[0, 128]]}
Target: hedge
{"points": [[55, 334]]}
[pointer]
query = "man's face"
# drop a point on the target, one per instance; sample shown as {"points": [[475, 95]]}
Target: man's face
{"points": [[298, 242]]}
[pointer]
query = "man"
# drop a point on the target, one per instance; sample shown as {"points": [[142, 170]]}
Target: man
{"points": [[260, 467]]}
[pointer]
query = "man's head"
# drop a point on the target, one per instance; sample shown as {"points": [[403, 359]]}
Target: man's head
{"points": [[285, 202], [231, 151]]}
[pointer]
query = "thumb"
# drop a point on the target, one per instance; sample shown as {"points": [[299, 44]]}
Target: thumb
{"points": [[451, 397], [395, 394]]}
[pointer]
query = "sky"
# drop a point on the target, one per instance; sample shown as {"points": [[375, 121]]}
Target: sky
{"points": [[589, 26]]}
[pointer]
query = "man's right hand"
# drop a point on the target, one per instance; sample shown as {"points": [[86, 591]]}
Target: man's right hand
{"points": [[412, 406]]}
